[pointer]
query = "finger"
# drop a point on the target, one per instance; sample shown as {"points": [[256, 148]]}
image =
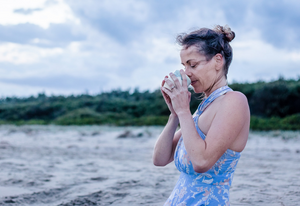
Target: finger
{"points": [[170, 84], [166, 91], [163, 93], [189, 95], [176, 80], [184, 80], [163, 82], [166, 97]]}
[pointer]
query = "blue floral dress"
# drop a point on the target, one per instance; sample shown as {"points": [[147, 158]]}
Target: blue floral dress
{"points": [[209, 188]]}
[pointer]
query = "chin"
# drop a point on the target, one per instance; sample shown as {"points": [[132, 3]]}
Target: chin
{"points": [[197, 90]]}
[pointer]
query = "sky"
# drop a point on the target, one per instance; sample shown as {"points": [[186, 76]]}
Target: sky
{"points": [[64, 47]]}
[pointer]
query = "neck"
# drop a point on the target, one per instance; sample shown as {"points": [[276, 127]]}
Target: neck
{"points": [[219, 83]]}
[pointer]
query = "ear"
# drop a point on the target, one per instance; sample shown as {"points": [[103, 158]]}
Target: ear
{"points": [[219, 61]]}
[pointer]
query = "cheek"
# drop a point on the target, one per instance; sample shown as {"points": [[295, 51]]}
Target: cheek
{"points": [[202, 78]]}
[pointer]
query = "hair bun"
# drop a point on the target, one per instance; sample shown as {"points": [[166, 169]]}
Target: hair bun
{"points": [[226, 31]]}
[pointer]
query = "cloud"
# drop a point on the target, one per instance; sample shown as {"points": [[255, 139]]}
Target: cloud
{"points": [[266, 63], [27, 11], [38, 12], [278, 23], [73, 45], [275, 20], [25, 54], [67, 82], [55, 35], [123, 23]]}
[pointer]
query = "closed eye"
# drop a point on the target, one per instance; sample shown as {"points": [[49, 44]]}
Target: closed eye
{"points": [[194, 65], [201, 62]]}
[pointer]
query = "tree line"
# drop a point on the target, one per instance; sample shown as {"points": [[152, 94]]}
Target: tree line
{"points": [[273, 105]]}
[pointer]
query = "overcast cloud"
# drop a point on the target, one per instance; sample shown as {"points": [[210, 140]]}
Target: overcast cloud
{"points": [[74, 46]]}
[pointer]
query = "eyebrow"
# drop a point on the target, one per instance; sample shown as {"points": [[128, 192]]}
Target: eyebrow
{"points": [[187, 61], [193, 59]]}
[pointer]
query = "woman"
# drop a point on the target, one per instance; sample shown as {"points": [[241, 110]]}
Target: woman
{"points": [[208, 144]]}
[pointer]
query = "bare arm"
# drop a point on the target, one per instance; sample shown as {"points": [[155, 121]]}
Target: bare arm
{"points": [[166, 143], [225, 128]]}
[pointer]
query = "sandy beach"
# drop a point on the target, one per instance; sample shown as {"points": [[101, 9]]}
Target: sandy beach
{"points": [[102, 165]]}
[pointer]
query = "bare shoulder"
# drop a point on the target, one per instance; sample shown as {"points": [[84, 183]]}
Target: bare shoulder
{"points": [[235, 100], [233, 119], [235, 105], [236, 95], [237, 114]]}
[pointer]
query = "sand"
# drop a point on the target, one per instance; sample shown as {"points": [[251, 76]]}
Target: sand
{"points": [[90, 165]]}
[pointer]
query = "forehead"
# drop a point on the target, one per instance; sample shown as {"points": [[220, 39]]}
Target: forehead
{"points": [[191, 52]]}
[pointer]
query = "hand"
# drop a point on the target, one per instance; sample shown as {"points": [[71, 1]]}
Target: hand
{"points": [[166, 96], [179, 97]]}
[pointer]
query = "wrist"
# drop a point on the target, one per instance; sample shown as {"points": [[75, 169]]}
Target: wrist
{"points": [[173, 118], [183, 114]]}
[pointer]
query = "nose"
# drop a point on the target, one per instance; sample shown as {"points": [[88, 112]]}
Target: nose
{"points": [[187, 72]]}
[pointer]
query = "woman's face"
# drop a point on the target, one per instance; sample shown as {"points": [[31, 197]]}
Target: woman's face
{"points": [[202, 73]]}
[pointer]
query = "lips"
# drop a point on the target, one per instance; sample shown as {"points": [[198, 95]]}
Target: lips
{"points": [[193, 82]]}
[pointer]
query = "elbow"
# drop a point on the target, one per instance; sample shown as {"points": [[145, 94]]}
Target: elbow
{"points": [[201, 166], [158, 163], [155, 162]]}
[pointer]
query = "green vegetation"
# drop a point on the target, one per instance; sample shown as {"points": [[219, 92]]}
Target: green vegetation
{"points": [[291, 122], [274, 105]]}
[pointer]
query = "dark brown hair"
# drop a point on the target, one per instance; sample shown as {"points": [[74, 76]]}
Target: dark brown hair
{"points": [[210, 42]]}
